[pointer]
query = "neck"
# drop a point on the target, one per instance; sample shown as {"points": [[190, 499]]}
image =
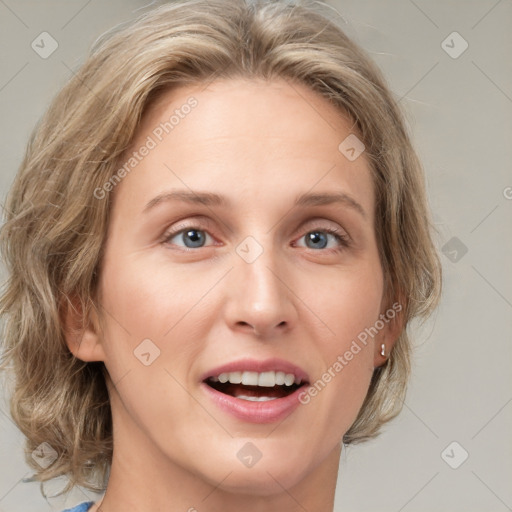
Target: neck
{"points": [[143, 479]]}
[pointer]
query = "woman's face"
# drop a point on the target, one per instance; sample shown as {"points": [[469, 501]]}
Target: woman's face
{"points": [[243, 279]]}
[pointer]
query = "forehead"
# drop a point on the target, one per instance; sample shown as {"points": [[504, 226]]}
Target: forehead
{"points": [[275, 109], [246, 135]]}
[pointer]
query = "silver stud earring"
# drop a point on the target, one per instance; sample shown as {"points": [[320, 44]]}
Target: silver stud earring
{"points": [[383, 350]]}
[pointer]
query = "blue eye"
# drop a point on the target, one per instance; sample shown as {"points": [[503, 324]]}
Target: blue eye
{"points": [[194, 237], [319, 238]]}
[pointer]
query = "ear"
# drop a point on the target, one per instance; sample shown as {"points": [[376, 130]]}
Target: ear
{"points": [[81, 330], [392, 318]]}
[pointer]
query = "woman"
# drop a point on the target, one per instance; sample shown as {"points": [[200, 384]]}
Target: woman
{"points": [[215, 243]]}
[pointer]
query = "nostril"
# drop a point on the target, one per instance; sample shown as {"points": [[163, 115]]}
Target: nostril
{"points": [[244, 324]]}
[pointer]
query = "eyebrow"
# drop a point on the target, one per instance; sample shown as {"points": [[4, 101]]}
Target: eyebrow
{"points": [[211, 199]]}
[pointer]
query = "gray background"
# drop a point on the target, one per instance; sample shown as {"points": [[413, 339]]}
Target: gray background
{"points": [[459, 110]]}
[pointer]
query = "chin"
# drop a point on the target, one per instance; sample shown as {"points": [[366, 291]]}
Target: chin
{"points": [[262, 480], [275, 470]]}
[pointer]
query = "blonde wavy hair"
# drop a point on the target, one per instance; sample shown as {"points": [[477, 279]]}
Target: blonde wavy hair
{"points": [[55, 228]]}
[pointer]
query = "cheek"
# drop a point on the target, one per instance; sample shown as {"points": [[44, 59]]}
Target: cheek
{"points": [[337, 394], [351, 303], [348, 353], [148, 316], [151, 298], [142, 303]]}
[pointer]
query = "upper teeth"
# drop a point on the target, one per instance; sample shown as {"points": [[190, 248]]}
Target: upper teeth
{"points": [[265, 379]]}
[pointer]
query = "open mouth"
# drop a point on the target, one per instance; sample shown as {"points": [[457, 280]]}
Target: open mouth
{"points": [[254, 386]]}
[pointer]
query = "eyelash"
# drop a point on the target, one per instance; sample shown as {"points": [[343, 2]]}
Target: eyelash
{"points": [[343, 240]]}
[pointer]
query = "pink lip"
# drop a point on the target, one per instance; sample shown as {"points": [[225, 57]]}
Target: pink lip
{"points": [[251, 365], [256, 412]]}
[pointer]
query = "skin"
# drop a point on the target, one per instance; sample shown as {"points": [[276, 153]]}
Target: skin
{"points": [[261, 144]]}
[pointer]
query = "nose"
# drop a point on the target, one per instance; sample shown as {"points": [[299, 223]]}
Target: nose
{"points": [[261, 300]]}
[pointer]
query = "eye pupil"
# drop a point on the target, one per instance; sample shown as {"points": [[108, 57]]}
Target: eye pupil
{"points": [[193, 238], [315, 236], [196, 236]]}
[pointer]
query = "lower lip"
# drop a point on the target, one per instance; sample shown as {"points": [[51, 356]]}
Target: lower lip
{"points": [[255, 412]]}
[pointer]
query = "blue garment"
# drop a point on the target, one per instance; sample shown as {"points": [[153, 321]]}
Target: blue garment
{"points": [[83, 507]]}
